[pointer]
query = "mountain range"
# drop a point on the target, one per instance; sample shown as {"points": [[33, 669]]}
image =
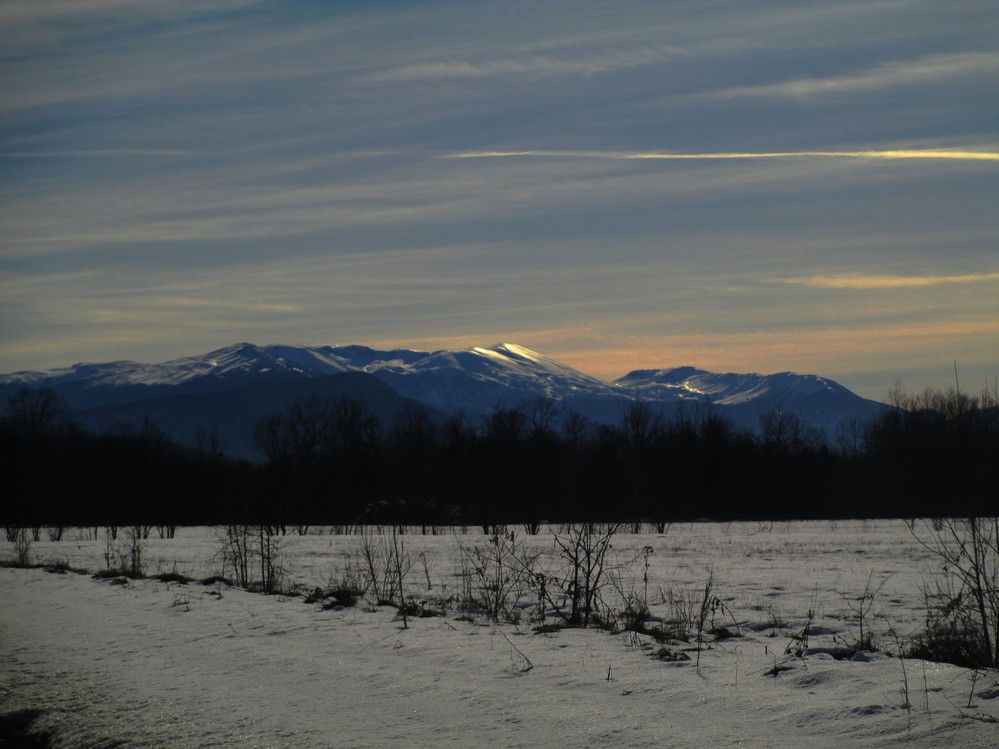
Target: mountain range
{"points": [[228, 390]]}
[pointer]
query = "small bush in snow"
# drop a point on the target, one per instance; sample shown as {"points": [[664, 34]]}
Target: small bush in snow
{"points": [[251, 553], [495, 576], [963, 609], [22, 547]]}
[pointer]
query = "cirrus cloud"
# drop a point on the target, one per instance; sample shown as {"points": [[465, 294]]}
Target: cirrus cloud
{"points": [[932, 68], [926, 153], [867, 281]]}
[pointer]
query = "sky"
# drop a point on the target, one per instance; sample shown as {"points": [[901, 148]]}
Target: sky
{"points": [[738, 186]]}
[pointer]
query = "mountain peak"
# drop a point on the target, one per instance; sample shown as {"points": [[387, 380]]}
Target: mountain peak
{"points": [[473, 381], [514, 350], [510, 351]]}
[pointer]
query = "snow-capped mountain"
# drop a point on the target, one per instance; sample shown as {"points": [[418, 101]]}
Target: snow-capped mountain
{"points": [[478, 379], [474, 381], [819, 401], [726, 389]]}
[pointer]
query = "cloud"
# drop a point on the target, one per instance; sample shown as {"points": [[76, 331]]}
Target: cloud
{"points": [[453, 174], [531, 66], [27, 26], [933, 68], [98, 153], [18, 13], [831, 350], [861, 281], [928, 153]]}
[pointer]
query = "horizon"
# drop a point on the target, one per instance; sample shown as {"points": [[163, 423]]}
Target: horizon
{"points": [[429, 350], [740, 189]]}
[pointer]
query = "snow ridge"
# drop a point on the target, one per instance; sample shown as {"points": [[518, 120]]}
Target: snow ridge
{"points": [[473, 380]]}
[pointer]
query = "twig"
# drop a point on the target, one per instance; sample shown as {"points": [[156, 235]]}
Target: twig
{"points": [[519, 652]]}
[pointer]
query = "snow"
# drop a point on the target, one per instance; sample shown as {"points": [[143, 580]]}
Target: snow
{"points": [[725, 389], [149, 663], [473, 381]]}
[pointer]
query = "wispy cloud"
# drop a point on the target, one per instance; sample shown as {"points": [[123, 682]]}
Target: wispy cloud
{"points": [[929, 153], [26, 26], [17, 14], [97, 153], [455, 175], [529, 66], [933, 68], [862, 281]]}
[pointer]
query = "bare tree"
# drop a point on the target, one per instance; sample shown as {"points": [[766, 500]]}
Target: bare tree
{"points": [[298, 436], [577, 429], [850, 436], [211, 443], [34, 412], [779, 429], [640, 423], [542, 413]]}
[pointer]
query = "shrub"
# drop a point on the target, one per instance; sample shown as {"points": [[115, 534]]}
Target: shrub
{"points": [[860, 612], [670, 655], [172, 577], [548, 628], [386, 564], [247, 549], [418, 610], [346, 585], [683, 611], [949, 641], [635, 616], [22, 548], [724, 633], [346, 595], [124, 557], [494, 576], [217, 580], [963, 608], [574, 590]]}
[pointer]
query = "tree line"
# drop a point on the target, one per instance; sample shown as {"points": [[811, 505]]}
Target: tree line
{"points": [[330, 461]]}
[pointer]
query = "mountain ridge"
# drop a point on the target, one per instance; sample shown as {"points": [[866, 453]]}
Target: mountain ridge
{"points": [[473, 381]]}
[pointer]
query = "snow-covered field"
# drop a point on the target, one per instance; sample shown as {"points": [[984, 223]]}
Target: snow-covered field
{"points": [[152, 664]]}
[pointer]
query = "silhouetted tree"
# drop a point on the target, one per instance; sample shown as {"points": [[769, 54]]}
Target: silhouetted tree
{"points": [[33, 412]]}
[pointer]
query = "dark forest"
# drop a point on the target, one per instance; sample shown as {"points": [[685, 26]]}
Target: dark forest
{"points": [[330, 461]]}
